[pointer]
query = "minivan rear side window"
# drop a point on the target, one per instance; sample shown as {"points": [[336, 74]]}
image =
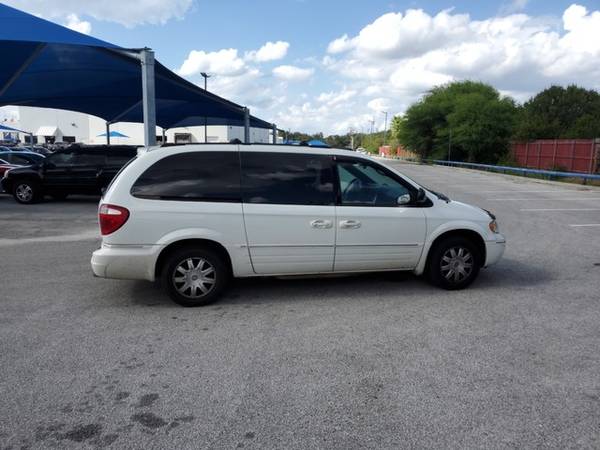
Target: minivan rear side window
{"points": [[197, 176], [287, 178]]}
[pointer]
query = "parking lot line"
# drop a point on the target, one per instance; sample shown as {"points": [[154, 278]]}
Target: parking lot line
{"points": [[560, 209], [542, 198], [585, 225], [510, 191]]}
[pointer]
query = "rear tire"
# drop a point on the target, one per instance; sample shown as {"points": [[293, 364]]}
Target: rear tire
{"points": [[195, 276], [26, 192], [454, 263]]}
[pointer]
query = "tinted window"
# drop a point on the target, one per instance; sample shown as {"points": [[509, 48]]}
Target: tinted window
{"points": [[208, 176], [89, 158], [367, 184], [61, 159], [287, 178], [119, 156], [17, 159]]}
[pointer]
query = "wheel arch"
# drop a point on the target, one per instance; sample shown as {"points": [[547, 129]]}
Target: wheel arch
{"points": [[466, 233], [188, 243]]}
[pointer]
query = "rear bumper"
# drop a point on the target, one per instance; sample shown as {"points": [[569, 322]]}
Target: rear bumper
{"points": [[494, 250], [125, 262]]}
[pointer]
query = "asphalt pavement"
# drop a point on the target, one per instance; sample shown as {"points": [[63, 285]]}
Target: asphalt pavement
{"points": [[373, 361]]}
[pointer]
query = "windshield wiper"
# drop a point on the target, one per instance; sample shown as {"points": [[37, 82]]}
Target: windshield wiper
{"points": [[440, 196]]}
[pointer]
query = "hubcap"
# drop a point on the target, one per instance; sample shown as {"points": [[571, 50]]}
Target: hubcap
{"points": [[456, 264], [194, 277], [24, 192]]}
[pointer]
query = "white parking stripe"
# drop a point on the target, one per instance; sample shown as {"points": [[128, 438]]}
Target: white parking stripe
{"points": [[560, 209], [585, 225], [532, 199], [538, 192]]}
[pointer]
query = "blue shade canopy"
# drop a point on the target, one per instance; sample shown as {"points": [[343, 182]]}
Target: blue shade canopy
{"points": [[317, 143], [5, 128], [49, 66], [114, 134]]}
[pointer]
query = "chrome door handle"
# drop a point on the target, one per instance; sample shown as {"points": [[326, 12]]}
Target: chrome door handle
{"points": [[320, 223], [350, 224]]}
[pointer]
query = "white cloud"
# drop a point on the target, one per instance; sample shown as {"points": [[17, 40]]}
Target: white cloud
{"points": [[380, 104], [340, 45], [128, 13], [74, 23], [292, 73], [334, 98], [222, 62], [397, 58], [271, 51], [513, 6]]}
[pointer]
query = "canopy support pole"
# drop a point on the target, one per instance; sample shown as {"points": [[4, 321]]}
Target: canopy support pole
{"points": [[148, 97], [164, 141], [274, 134], [107, 133], [246, 125]]}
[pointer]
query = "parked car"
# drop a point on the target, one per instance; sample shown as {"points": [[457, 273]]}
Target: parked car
{"points": [[4, 167], [193, 216], [21, 158], [75, 170], [35, 149]]}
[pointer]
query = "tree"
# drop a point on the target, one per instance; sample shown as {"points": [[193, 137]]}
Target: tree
{"points": [[558, 112], [468, 118]]}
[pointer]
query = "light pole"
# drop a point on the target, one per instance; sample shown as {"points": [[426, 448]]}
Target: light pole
{"points": [[206, 77], [384, 126]]}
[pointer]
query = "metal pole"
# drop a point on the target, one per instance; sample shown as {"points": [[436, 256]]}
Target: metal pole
{"points": [[164, 141], [246, 125], [385, 127], [148, 97], [205, 118], [274, 134], [107, 133]]}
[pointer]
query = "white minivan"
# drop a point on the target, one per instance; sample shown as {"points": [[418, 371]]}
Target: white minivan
{"points": [[193, 216]]}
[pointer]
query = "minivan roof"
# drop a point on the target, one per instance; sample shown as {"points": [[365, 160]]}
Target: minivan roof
{"points": [[274, 148]]}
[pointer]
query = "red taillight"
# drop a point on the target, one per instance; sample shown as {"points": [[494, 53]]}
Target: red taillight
{"points": [[111, 218]]}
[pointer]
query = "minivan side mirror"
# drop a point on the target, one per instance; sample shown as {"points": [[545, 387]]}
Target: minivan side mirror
{"points": [[404, 199]]}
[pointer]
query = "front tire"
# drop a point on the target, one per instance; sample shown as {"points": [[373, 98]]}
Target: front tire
{"points": [[454, 263], [26, 192], [195, 277]]}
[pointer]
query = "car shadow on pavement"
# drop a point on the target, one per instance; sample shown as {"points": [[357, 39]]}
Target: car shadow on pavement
{"points": [[508, 273]]}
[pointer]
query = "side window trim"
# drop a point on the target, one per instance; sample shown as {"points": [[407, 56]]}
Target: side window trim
{"points": [[348, 159], [203, 199], [331, 168]]}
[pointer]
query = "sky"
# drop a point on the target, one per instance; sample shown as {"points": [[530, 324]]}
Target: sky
{"points": [[335, 66]]}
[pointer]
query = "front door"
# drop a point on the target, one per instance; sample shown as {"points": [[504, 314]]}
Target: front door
{"points": [[58, 170], [373, 231], [289, 211]]}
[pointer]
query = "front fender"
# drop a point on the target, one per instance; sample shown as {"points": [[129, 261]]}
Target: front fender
{"points": [[445, 227]]}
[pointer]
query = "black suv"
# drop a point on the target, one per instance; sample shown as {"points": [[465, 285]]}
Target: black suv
{"points": [[77, 169]]}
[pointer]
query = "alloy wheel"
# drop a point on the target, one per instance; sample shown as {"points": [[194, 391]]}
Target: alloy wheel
{"points": [[24, 193], [456, 264], [194, 277]]}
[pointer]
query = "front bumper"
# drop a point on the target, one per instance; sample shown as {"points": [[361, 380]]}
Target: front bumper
{"points": [[125, 262], [494, 250]]}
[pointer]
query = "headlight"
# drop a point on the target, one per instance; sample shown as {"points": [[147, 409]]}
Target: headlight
{"points": [[494, 226]]}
